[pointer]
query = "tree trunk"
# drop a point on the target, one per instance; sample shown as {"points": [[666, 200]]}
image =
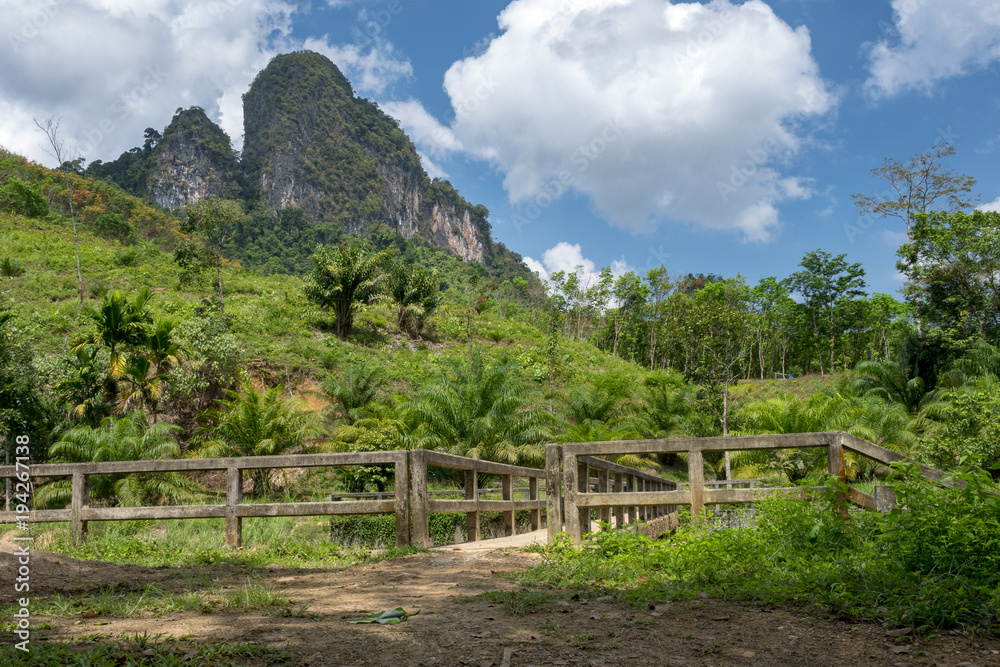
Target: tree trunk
{"points": [[222, 303]]}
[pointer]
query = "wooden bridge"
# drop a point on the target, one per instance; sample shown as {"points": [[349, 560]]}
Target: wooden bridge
{"points": [[577, 486]]}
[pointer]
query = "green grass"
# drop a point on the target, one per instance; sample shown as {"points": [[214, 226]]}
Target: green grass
{"points": [[935, 565], [145, 650], [516, 603]]}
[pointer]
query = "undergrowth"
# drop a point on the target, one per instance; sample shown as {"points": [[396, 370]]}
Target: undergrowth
{"points": [[933, 562]]}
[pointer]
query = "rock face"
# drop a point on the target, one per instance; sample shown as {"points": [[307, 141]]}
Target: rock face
{"points": [[193, 161], [311, 144]]}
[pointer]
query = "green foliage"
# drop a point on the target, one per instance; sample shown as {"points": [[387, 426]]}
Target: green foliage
{"points": [[125, 439], [254, 424], [114, 226], [21, 198], [970, 428], [343, 280], [934, 565], [11, 267], [479, 409], [414, 292], [138, 650]]}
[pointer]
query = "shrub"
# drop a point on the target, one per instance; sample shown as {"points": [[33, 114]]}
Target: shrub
{"points": [[22, 198]]}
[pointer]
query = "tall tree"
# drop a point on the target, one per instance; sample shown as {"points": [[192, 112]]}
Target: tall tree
{"points": [[824, 283], [50, 127], [919, 186], [213, 221], [952, 266], [343, 279]]}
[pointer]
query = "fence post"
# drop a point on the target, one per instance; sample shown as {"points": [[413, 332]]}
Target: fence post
{"points": [[78, 500], [696, 483], [419, 507], [571, 487], [885, 499], [604, 514], [835, 460], [234, 496], [536, 514], [553, 491], [629, 488], [583, 479], [619, 510], [401, 482], [509, 516], [472, 493]]}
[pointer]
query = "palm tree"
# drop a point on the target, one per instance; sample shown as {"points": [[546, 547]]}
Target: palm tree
{"points": [[351, 398], [416, 294], [888, 381], [119, 323], [255, 424], [140, 386], [88, 389], [479, 410], [342, 280], [124, 439]]}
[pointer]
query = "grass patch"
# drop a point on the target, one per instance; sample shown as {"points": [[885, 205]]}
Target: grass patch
{"points": [[146, 650], [935, 565], [516, 603], [254, 596]]}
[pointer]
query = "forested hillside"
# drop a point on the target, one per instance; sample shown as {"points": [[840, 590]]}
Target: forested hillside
{"points": [[394, 344]]}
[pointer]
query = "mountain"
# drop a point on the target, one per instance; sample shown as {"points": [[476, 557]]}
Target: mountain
{"points": [[314, 149]]}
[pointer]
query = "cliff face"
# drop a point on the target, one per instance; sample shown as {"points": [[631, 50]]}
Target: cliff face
{"points": [[311, 144], [193, 161]]}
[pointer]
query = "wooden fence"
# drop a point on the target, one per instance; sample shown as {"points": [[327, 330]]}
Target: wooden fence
{"points": [[234, 510], [410, 490], [472, 504], [615, 492], [567, 469]]}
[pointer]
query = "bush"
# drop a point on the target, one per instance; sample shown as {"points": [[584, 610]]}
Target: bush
{"points": [[935, 564], [22, 198], [114, 226], [11, 267]]}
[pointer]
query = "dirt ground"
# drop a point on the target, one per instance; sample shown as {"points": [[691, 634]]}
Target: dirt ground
{"points": [[457, 626]]}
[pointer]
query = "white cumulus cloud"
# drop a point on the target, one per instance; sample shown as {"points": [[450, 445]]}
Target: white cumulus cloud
{"points": [[568, 257], [655, 110], [932, 40], [111, 68]]}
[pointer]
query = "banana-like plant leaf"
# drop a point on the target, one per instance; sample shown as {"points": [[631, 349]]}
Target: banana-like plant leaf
{"points": [[387, 617]]}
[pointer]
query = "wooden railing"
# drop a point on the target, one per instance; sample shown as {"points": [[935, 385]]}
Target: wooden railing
{"points": [[611, 479], [566, 465], [410, 490], [234, 510], [472, 504]]}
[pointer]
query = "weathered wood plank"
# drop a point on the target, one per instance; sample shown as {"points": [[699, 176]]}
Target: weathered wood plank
{"points": [[676, 445], [176, 465], [317, 508], [154, 513], [420, 533], [438, 506], [443, 460], [696, 484], [633, 499], [234, 496], [38, 516]]}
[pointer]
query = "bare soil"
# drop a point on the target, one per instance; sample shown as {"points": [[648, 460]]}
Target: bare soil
{"points": [[458, 626]]}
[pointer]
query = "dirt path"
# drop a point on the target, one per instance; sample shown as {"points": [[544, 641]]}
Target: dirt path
{"points": [[458, 625]]}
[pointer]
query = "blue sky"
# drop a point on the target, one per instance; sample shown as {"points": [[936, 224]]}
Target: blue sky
{"points": [[712, 137]]}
